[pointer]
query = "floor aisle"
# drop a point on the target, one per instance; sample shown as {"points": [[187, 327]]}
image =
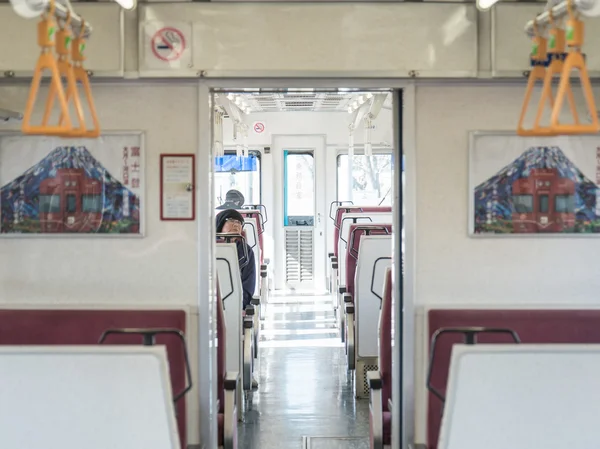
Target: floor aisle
{"points": [[304, 389]]}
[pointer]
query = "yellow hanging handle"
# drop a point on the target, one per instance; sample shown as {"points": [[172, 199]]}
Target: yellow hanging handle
{"points": [[556, 56], [46, 60], [63, 41], [77, 57], [574, 60], [539, 61]]}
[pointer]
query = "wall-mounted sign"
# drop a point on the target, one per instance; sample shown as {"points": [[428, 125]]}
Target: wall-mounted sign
{"points": [[177, 187], [167, 46], [258, 127]]}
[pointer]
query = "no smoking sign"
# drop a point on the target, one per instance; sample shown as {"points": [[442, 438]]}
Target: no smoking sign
{"points": [[168, 44], [259, 127]]}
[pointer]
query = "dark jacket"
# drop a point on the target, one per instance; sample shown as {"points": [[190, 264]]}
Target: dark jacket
{"points": [[248, 273]]}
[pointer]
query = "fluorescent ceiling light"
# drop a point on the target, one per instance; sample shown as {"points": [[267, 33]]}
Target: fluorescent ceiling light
{"points": [[486, 4], [127, 4]]}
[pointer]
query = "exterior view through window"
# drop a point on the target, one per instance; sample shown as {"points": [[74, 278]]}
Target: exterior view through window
{"points": [[299, 185], [240, 173], [371, 179]]}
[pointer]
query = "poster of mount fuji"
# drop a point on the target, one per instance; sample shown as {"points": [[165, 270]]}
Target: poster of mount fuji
{"points": [[534, 186], [67, 186]]}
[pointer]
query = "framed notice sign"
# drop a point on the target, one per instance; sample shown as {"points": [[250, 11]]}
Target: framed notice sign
{"points": [[177, 187]]}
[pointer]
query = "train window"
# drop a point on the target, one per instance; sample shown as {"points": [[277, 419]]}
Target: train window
{"points": [[49, 204], [299, 189], [71, 206], [371, 179], [91, 203], [240, 173], [564, 204], [523, 204], [543, 204]]}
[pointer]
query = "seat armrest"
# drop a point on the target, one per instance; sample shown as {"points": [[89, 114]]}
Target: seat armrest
{"points": [[348, 299], [342, 289], [230, 415], [375, 409], [349, 308], [255, 301], [231, 380], [250, 310], [374, 379]]}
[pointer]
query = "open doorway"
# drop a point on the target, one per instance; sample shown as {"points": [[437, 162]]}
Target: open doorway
{"points": [[293, 155]]}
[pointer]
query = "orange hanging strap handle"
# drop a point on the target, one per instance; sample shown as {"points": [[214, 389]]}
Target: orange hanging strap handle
{"points": [[81, 75], [46, 60], [556, 57], [574, 60], [63, 41], [539, 62]]}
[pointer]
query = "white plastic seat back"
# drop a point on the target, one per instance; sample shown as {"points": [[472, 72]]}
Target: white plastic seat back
{"points": [[522, 396], [230, 284], [347, 221], [251, 228], [374, 258], [93, 397]]}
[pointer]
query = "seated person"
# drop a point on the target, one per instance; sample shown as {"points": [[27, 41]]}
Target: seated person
{"points": [[230, 221], [233, 200]]}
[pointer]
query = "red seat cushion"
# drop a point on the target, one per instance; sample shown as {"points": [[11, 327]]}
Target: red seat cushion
{"points": [[221, 428], [85, 326], [533, 326], [387, 427], [351, 209], [357, 230]]}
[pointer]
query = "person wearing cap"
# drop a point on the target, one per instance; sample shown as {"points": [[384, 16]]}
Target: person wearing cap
{"points": [[230, 221], [233, 200]]}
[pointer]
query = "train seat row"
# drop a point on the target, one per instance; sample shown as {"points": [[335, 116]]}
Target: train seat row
{"points": [[240, 326], [227, 385], [364, 251], [380, 381]]}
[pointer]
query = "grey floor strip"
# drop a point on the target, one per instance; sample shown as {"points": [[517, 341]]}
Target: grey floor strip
{"points": [[335, 442]]}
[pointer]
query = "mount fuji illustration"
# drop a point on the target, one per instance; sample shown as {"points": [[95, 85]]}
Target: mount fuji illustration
{"points": [[494, 196], [19, 199]]}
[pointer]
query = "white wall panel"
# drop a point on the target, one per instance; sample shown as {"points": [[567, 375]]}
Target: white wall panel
{"points": [[277, 39], [104, 50], [160, 268], [511, 46], [454, 269]]}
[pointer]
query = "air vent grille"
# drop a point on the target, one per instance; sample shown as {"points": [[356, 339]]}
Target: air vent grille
{"points": [[298, 255]]}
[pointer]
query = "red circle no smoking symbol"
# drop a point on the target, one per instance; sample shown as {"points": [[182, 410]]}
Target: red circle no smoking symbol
{"points": [[259, 127], [168, 44]]}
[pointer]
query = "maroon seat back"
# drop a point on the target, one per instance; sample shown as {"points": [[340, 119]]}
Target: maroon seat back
{"points": [[221, 351], [357, 230], [351, 209], [532, 326], [85, 326], [385, 339]]}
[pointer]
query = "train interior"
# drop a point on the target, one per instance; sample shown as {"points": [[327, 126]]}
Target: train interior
{"points": [[315, 225], [305, 347]]}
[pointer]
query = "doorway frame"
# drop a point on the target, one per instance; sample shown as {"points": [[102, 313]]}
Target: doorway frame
{"points": [[404, 138]]}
